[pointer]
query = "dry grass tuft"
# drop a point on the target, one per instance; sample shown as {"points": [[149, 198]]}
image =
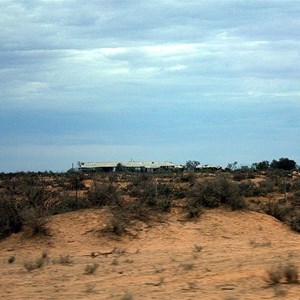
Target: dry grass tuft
{"points": [[198, 248], [127, 296], [31, 265], [91, 268], [290, 273], [11, 259], [188, 266], [274, 275], [64, 260]]}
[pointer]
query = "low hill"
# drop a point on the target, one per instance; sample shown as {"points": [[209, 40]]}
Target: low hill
{"points": [[222, 255]]}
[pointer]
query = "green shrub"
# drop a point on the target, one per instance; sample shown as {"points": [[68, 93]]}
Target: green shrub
{"points": [[136, 210], [124, 214], [119, 222], [164, 204], [194, 208], [65, 203], [250, 189], [10, 218], [247, 189], [216, 192], [74, 180], [295, 222], [103, 194], [277, 210], [179, 192], [189, 177], [291, 274], [295, 199], [164, 189], [296, 185], [34, 196], [36, 220], [141, 179], [240, 175], [237, 203], [266, 187], [204, 194]]}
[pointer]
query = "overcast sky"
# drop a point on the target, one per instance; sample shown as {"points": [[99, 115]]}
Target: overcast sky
{"points": [[214, 81]]}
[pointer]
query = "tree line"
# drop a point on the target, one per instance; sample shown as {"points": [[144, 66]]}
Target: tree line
{"points": [[282, 163]]}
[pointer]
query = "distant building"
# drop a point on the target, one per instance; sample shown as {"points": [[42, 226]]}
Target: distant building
{"points": [[97, 166], [208, 167], [140, 166]]}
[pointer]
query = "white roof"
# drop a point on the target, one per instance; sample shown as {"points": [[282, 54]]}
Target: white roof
{"points": [[109, 164], [208, 167], [148, 164], [130, 164]]}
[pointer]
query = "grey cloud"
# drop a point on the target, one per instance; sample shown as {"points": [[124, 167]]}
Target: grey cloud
{"points": [[160, 68], [96, 24]]}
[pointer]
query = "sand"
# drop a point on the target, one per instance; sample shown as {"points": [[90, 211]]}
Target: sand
{"points": [[222, 255]]}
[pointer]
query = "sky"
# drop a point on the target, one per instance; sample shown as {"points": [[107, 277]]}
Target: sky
{"points": [[216, 81]]}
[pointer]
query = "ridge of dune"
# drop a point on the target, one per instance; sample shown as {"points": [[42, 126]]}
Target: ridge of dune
{"points": [[222, 254]]}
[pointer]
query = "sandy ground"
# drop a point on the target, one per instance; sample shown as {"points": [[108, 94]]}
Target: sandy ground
{"points": [[223, 255]]}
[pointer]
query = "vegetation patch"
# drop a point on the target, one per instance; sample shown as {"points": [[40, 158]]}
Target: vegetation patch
{"points": [[27, 199], [36, 220], [287, 273], [214, 193], [91, 268], [31, 265]]}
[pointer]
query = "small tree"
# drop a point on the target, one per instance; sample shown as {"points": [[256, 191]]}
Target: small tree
{"points": [[232, 166], [119, 167], [261, 166], [192, 164], [283, 164]]}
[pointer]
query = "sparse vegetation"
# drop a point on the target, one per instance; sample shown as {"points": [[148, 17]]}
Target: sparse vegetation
{"points": [[277, 209], [91, 268], [278, 273], [90, 288], [103, 194], [31, 265], [11, 259], [27, 199], [127, 296], [214, 193], [118, 223], [198, 248], [10, 219], [295, 222], [35, 219], [291, 274], [65, 202], [131, 205], [64, 259], [274, 275], [188, 266], [194, 208]]}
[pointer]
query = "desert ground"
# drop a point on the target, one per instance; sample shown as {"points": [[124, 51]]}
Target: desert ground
{"points": [[223, 254]]}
